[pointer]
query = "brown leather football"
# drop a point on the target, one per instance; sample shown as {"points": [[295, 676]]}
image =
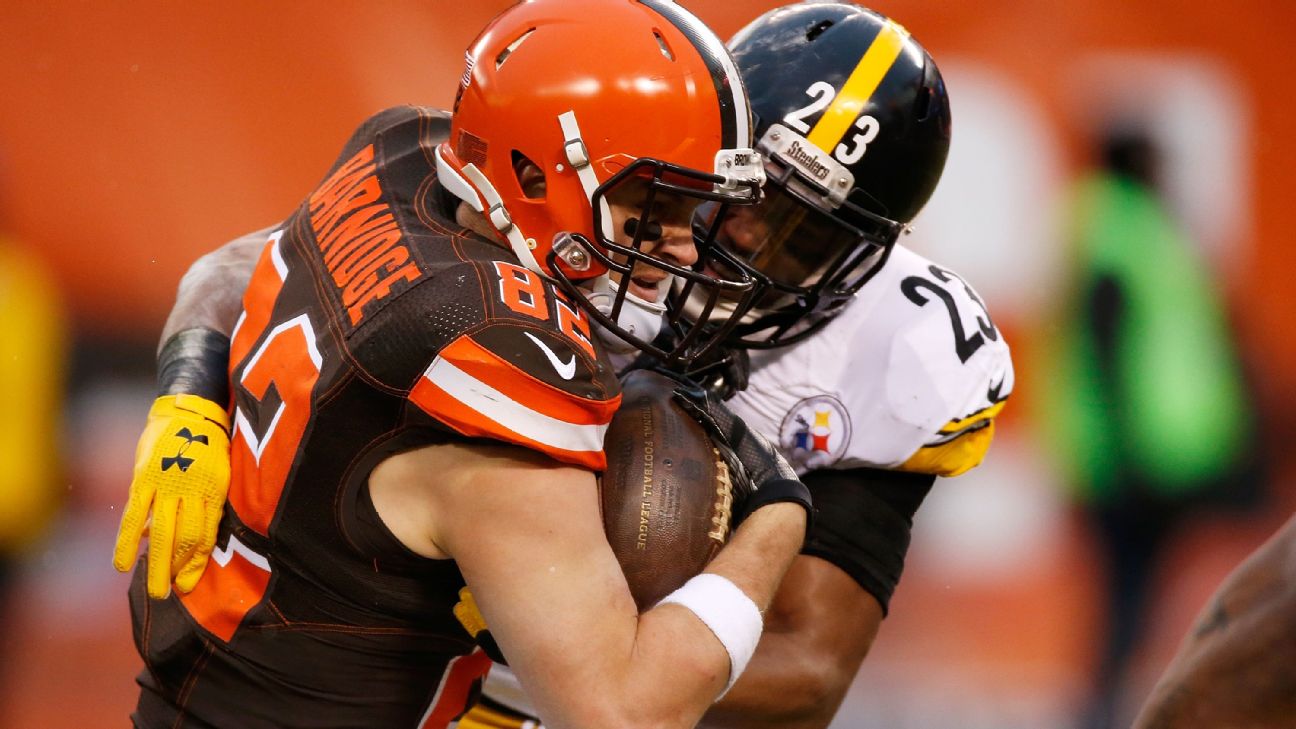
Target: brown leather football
{"points": [[666, 494]]}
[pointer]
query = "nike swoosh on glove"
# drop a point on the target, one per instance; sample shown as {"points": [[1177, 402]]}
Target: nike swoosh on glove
{"points": [[182, 474]]}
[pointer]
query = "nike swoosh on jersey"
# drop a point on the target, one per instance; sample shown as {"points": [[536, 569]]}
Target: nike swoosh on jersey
{"points": [[566, 370], [993, 392]]}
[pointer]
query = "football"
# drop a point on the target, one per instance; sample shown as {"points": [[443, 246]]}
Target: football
{"points": [[666, 494]]}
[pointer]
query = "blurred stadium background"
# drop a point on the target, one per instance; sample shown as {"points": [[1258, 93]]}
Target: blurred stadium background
{"points": [[136, 136]]}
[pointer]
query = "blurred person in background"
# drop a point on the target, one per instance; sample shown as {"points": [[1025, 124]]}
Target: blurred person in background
{"points": [[832, 275], [1149, 406], [1237, 666], [32, 344]]}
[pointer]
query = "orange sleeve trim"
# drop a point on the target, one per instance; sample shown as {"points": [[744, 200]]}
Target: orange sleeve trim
{"points": [[472, 422], [523, 387]]}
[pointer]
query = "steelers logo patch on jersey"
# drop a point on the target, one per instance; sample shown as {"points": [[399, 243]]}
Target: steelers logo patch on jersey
{"points": [[816, 432]]}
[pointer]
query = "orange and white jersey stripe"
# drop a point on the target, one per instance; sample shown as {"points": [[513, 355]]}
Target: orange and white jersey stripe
{"points": [[481, 394]]}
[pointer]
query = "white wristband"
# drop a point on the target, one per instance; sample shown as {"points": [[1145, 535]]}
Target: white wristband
{"points": [[728, 612]]}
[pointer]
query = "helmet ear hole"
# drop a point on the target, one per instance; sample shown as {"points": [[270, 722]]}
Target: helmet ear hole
{"points": [[665, 47], [817, 29], [508, 50], [923, 105], [530, 178]]}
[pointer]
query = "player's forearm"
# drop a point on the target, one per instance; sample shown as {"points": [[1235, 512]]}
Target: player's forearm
{"points": [[785, 686], [817, 632], [761, 550], [1235, 668], [555, 596], [1242, 678], [211, 293], [677, 666]]}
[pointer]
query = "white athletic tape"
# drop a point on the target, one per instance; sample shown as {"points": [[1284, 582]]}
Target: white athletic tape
{"points": [[728, 612]]}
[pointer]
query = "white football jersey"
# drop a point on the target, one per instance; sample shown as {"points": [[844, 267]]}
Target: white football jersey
{"points": [[909, 376]]}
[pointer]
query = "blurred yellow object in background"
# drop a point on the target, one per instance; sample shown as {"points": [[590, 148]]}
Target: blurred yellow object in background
{"points": [[31, 394]]}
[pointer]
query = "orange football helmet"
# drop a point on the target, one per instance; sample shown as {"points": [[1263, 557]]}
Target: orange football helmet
{"points": [[596, 92]]}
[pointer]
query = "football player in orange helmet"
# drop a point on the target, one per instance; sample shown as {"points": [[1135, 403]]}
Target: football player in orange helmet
{"points": [[419, 399], [819, 246], [577, 144], [853, 122]]}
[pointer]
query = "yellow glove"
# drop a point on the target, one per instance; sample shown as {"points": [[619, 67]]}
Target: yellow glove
{"points": [[182, 473]]}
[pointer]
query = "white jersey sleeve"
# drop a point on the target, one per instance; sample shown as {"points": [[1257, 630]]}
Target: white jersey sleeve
{"points": [[909, 377]]}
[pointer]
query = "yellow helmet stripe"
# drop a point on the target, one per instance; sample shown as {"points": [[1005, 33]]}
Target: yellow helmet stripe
{"points": [[863, 81]]}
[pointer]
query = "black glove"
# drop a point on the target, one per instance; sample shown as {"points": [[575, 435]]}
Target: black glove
{"points": [[722, 371], [759, 472]]}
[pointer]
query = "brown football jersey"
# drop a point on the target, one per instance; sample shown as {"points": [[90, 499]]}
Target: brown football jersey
{"points": [[373, 324]]}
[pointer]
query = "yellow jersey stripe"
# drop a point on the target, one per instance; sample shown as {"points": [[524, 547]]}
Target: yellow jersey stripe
{"points": [[988, 413], [861, 84], [952, 458]]}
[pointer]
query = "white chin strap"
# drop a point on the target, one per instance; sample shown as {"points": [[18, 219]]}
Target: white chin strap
{"points": [[638, 317], [578, 157], [473, 188]]}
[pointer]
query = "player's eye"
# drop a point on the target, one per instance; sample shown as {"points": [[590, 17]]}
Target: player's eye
{"points": [[652, 229]]}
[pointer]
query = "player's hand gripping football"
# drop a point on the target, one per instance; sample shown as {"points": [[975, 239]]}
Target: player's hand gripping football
{"points": [[722, 372], [760, 474], [182, 474]]}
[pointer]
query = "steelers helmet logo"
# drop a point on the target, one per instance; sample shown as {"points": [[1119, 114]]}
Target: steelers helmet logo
{"points": [[815, 432]]}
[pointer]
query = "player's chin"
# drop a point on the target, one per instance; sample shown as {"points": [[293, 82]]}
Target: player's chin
{"points": [[645, 289]]}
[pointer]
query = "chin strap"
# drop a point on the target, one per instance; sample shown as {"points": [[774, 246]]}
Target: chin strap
{"points": [[638, 317], [471, 186], [578, 157]]}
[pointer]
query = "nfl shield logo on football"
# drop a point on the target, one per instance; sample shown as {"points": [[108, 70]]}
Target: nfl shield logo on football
{"points": [[815, 432]]}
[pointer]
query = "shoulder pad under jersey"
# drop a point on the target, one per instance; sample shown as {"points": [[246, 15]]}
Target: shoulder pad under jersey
{"points": [[425, 122], [890, 382], [528, 374], [950, 369]]}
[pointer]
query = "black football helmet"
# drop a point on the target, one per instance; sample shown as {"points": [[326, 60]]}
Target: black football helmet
{"points": [[853, 120]]}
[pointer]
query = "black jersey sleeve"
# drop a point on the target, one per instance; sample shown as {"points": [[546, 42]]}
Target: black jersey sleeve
{"points": [[376, 126], [862, 523]]}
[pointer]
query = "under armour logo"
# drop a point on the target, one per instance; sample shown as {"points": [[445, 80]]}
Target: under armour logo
{"points": [[179, 459]]}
